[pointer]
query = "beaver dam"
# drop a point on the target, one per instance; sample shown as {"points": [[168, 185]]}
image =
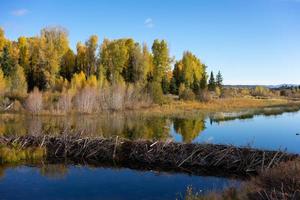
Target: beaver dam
{"points": [[207, 159]]}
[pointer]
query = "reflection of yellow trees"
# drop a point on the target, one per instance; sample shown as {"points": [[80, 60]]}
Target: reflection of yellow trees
{"points": [[12, 125], [55, 171], [150, 128], [110, 125], [189, 128]]}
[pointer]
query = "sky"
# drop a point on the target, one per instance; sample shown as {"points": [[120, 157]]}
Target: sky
{"points": [[249, 41]]}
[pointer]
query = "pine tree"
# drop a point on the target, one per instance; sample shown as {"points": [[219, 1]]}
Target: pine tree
{"points": [[203, 81], [6, 62], [211, 82], [219, 80]]}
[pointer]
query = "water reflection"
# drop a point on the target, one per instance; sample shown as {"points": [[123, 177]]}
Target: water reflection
{"points": [[189, 128], [80, 182], [279, 132]]}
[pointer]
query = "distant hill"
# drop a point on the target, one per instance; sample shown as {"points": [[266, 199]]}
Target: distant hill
{"points": [[268, 86]]}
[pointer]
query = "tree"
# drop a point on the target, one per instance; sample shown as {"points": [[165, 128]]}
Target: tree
{"points": [[2, 83], [147, 63], [219, 80], [68, 65], [6, 62], [35, 71], [81, 61], [91, 59], [17, 81], [211, 82], [203, 81], [161, 59], [2, 40], [114, 58], [23, 52], [192, 69], [53, 45]]}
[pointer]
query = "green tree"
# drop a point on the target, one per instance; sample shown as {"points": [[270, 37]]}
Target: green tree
{"points": [[91, 59], [219, 80], [68, 65], [18, 83], [114, 58], [192, 69], [211, 82], [35, 71], [203, 81], [2, 83], [165, 84], [161, 59], [2, 40], [81, 61], [23, 52], [6, 62]]}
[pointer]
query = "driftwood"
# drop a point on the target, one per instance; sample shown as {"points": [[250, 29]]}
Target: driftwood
{"points": [[193, 158]]}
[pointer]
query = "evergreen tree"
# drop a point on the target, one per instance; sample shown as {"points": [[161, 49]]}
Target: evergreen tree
{"points": [[6, 62], [219, 80], [165, 84], [211, 82], [203, 81]]}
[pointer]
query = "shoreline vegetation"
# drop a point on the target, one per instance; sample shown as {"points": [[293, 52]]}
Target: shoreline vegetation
{"points": [[281, 182]]}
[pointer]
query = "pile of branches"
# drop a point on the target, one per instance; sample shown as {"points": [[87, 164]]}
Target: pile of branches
{"points": [[194, 158]]}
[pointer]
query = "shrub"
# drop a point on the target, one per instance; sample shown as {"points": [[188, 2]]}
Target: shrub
{"points": [[218, 91], [261, 91], [86, 100], [34, 102], [64, 103], [186, 93], [204, 96]]}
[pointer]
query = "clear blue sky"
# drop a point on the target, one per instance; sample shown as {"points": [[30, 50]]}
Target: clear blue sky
{"points": [[250, 41]]}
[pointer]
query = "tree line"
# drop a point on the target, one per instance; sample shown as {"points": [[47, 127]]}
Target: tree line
{"points": [[48, 63]]}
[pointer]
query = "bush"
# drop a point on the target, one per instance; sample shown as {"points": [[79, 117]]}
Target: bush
{"points": [[64, 103], [261, 91], [204, 96], [34, 102], [186, 93], [86, 100]]}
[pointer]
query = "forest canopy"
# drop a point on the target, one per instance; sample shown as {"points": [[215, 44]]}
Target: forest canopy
{"points": [[48, 63]]}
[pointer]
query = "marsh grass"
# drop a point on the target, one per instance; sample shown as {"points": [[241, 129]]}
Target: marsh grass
{"points": [[281, 182], [17, 154]]}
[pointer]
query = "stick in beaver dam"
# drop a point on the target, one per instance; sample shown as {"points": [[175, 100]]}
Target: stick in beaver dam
{"points": [[225, 160]]}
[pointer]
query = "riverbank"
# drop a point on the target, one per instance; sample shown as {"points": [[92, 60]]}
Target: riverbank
{"points": [[175, 107], [280, 182]]}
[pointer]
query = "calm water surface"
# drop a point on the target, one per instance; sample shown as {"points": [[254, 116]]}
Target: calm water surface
{"points": [[257, 129], [61, 182]]}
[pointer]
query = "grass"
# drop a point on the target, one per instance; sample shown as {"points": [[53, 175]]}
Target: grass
{"points": [[217, 105], [17, 154], [281, 182]]}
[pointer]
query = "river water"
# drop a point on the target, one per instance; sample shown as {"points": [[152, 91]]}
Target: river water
{"points": [[260, 129]]}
